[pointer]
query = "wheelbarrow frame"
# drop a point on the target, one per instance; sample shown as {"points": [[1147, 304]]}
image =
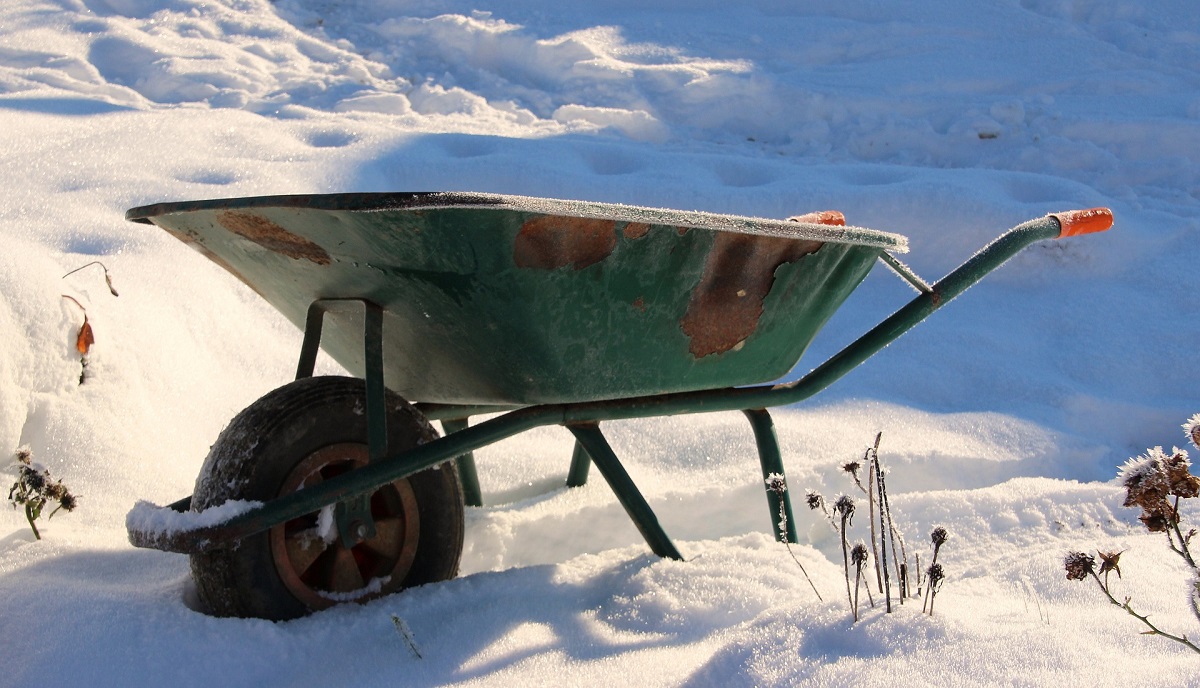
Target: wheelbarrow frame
{"points": [[583, 419]]}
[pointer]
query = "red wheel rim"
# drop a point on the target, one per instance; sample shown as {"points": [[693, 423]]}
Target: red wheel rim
{"points": [[309, 555]]}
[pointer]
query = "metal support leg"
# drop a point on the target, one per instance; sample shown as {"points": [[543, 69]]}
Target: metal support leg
{"points": [[771, 460], [589, 435], [354, 519], [467, 475], [376, 392], [580, 463]]}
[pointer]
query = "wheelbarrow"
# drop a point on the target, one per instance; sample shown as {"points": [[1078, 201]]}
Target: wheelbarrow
{"points": [[447, 306]]}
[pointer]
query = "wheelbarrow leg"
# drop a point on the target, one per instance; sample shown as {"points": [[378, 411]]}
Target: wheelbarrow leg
{"points": [[354, 520], [772, 463], [592, 440], [580, 463], [467, 475]]}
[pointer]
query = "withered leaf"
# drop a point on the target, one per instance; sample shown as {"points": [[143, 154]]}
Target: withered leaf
{"points": [[85, 339]]}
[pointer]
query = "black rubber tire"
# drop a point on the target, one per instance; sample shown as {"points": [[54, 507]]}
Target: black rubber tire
{"points": [[253, 458]]}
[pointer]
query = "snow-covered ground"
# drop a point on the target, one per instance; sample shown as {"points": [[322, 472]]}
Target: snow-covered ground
{"points": [[1004, 417]]}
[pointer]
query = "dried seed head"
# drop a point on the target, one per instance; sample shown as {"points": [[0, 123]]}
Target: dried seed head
{"points": [[858, 555], [852, 468], [939, 536], [844, 506], [814, 500], [1159, 520], [34, 480], [1144, 479], [776, 483], [24, 455], [68, 501], [1192, 428], [55, 491], [1109, 561], [1079, 565], [1183, 483], [936, 574], [1151, 479]]}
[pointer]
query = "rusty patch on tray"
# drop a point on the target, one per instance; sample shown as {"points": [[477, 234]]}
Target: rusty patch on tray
{"points": [[727, 303], [272, 237], [635, 230], [550, 242]]}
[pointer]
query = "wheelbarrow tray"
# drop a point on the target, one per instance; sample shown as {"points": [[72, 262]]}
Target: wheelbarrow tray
{"points": [[508, 300]]}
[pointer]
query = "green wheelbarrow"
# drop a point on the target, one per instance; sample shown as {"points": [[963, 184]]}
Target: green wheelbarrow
{"points": [[445, 306]]}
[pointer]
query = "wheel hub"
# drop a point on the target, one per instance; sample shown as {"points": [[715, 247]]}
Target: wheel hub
{"points": [[320, 566]]}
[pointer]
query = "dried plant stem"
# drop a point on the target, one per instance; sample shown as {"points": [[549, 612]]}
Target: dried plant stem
{"points": [[107, 277], [1182, 550], [890, 528], [783, 529], [872, 459], [806, 576], [928, 590], [857, 580], [1154, 630], [29, 516], [406, 634], [887, 583], [778, 485], [846, 564]]}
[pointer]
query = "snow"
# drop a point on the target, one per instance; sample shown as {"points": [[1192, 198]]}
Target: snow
{"points": [[1005, 417], [157, 521]]}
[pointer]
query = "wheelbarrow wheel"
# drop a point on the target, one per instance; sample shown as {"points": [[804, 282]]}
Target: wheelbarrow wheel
{"points": [[295, 437]]}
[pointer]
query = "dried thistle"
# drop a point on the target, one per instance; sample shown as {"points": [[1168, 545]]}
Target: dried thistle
{"points": [[938, 537], [1079, 565], [858, 556], [1109, 561], [34, 489], [936, 575], [1192, 429], [777, 484], [815, 501], [852, 468], [1155, 482], [844, 507]]}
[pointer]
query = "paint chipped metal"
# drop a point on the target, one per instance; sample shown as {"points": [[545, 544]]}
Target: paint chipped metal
{"points": [[726, 304], [551, 242], [272, 237]]}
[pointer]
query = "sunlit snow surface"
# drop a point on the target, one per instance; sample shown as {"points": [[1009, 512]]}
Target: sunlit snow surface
{"points": [[1004, 418]]}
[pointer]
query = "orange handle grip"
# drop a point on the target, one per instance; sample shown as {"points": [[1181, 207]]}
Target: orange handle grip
{"points": [[822, 217], [1076, 222]]}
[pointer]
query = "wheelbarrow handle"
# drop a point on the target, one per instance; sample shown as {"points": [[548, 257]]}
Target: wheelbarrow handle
{"points": [[1052, 226], [1076, 222]]}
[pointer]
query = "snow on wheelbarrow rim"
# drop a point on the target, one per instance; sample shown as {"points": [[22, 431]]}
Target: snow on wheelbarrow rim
{"points": [[690, 219]]}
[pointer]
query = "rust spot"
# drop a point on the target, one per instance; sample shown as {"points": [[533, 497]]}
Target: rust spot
{"points": [[640, 304], [636, 230], [550, 242], [727, 303], [272, 237]]}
